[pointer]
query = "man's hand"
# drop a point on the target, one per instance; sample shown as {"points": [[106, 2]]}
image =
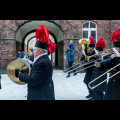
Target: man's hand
{"points": [[113, 56], [17, 72]]}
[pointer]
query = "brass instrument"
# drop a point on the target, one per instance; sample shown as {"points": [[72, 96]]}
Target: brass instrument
{"points": [[103, 75], [89, 57], [21, 64], [84, 43], [101, 55]]}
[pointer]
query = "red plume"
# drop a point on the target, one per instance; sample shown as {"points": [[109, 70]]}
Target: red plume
{"points": [[42, 34], [91, 40], [51, 47], [101, 43], [116, 35]]}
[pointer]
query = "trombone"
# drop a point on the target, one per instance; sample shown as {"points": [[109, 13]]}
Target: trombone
{"points": [[101, 76], [101, 56], [86, 57], [89, 62]]}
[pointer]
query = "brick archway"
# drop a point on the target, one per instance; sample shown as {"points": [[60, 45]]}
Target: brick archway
{"points": [[29, 27]]}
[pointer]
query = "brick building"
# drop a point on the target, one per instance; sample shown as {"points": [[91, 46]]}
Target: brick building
{"points": [[20, 34]]}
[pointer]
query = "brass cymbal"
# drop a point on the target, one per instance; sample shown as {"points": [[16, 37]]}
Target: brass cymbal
{"points": [[17, 64]]}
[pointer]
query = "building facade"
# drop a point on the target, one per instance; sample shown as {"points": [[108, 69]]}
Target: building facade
{"points": [[20, 34]]}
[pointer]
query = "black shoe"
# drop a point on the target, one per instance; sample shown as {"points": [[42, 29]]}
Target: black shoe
{"points": [[68, 76], [88, 96], [74, 74]]}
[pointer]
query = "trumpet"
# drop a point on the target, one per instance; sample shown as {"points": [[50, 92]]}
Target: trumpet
{"points": [[103, 75]]}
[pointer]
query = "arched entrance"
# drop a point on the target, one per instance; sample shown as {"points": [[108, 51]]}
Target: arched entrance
{"points": [[25, 37]]}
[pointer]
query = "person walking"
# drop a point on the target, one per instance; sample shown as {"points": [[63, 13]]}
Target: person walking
{"points": [[70, 57], [40, 83]]}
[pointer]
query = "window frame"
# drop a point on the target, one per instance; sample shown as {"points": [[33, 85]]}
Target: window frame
{"points": [[90, 29]]}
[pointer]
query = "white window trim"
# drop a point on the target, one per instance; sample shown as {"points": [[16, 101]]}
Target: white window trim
{"points": [[89, 29]]}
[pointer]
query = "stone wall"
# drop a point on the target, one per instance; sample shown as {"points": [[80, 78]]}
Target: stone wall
{"points": [[72, 31]]}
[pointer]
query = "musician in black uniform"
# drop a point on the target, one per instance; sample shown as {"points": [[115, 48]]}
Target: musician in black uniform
{"points": [[113, 87], [98, 91], [40, 83], [89, 71]]}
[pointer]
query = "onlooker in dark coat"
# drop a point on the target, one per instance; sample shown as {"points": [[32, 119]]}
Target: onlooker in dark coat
{"points": [[20, 54]]}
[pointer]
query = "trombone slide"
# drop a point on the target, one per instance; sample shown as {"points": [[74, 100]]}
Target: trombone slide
{"points": [[103, 81], [103, 75], [116, 52]]}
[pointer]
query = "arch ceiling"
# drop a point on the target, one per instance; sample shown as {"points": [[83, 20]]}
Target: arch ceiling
{"points": [[33, 25]]}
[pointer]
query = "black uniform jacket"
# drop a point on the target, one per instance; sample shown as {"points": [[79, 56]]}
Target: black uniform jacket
{"points": [[89, 71], [96, 73], [113, 87], [40, 83]]}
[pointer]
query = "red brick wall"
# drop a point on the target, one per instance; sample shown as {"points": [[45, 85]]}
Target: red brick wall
{"points": [[72, 30]]}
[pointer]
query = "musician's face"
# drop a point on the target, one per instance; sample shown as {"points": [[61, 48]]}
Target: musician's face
{"points": [[118, 49], [91, 49], [37, 52]]}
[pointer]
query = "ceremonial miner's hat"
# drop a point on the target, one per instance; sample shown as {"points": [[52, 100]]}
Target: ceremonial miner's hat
{"points": [[92, 42], [42, 37], [116, 38], [100, 45]]}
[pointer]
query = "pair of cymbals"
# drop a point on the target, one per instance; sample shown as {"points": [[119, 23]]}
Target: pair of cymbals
{"points": [[17, 64]]}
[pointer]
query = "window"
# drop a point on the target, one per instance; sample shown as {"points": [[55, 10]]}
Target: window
{"points": [[90, 29]]}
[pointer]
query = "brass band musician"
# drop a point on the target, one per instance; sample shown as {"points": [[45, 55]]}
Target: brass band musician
{"points": [[113, 86], [40, 83], [89, 71], [98, 92]]}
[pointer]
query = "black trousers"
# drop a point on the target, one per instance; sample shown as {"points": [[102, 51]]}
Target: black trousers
{"points": [[70, 65], [97, 95]]}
